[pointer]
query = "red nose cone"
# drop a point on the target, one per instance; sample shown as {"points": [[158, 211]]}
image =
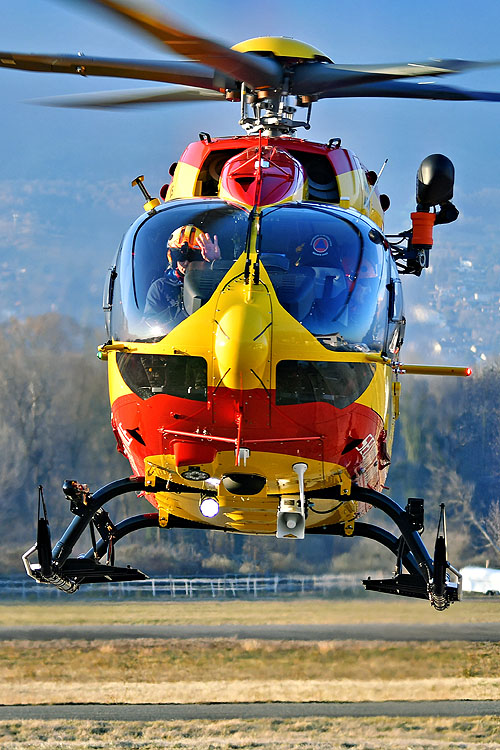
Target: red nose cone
{"points": [[262, 177]]}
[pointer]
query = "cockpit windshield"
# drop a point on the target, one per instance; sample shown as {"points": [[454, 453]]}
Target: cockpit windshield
{"points": [[328, 270], [150, 290], [327, 267]]}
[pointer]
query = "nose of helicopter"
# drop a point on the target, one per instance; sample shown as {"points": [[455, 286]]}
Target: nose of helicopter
{"points": [[242, 346]]}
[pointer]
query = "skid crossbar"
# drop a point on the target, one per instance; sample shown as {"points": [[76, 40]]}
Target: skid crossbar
{"points": [[56, 567], [377, 534]]}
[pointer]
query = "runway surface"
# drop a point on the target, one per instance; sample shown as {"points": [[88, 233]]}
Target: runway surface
{"points": [[164, 712], [365, 632], [222, 711]]}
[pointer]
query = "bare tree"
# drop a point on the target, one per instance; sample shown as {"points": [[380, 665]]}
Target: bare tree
{"points": [[492, 524]]}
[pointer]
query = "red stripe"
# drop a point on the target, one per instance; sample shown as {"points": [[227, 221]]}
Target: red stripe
{"points": [[317, 431]]}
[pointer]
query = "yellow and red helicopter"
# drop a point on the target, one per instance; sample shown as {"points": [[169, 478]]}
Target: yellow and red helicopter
{"points": [[262, 397]]}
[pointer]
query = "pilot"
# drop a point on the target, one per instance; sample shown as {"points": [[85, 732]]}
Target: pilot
{"points": [[164, 297]]}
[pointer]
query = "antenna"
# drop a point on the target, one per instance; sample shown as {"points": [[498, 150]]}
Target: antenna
{"points": [[376, 182]]}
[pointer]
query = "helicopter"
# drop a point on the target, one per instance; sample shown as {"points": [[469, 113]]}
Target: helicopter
{"points": [[263, 398]]}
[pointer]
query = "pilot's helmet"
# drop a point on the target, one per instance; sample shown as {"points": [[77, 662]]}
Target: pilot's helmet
{"points": [[183, 244]]}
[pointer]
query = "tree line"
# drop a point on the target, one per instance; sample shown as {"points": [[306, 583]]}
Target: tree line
{"points": [[54, 417]]}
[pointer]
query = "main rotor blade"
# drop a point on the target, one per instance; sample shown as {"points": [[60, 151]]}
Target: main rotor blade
{"points": [[246, 67], [425, 68], [184, 72], [132, 98], [411, 90], [319, 77]]}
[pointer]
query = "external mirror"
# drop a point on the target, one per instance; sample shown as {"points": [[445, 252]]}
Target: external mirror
{"points": [[435, 178], [107, 297]]}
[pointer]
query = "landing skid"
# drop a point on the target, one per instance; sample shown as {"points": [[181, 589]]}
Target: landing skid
{"points": [[426, 578]]}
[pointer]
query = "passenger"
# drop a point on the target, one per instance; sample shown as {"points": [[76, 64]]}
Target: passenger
{"points": [[164, 298]]}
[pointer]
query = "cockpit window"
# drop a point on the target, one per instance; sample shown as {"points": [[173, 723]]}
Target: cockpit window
{"points": [[336, 383], [149, 375], [328, 273], [151, 293], [328, 267]]}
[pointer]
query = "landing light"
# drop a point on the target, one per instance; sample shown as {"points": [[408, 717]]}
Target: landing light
{"points": [[209, 507]]}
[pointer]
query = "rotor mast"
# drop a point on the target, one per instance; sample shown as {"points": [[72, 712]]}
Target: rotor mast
{"points": [[271, 112]]}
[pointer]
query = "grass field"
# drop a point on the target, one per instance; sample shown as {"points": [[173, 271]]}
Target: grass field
{"points": [[298, 734], [227, 670], [376, 608]]}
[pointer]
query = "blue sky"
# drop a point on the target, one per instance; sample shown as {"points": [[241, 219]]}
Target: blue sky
{"points": [[65, 175]]}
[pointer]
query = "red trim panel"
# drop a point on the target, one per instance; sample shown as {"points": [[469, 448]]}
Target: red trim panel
{"points": [[320, 431]]}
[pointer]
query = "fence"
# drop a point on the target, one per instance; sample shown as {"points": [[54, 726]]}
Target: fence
{"points": [[202, 587]]}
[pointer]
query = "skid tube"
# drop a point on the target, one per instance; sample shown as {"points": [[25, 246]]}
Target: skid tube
{"points": [[426, 578], [57, 568]]}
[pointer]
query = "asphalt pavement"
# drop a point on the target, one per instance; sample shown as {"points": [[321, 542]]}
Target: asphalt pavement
{"points": [[164, 712], [223, 711], [366, 632]]}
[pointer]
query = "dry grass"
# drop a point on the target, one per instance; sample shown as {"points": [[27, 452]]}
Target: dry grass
{"points": [[163, 661], [371, 609], [299, 734], [225, 670], [169, 671], [248, 691]]}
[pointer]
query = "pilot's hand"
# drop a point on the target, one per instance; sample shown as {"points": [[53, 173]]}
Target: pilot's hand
{"points": [[209, 250]]}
